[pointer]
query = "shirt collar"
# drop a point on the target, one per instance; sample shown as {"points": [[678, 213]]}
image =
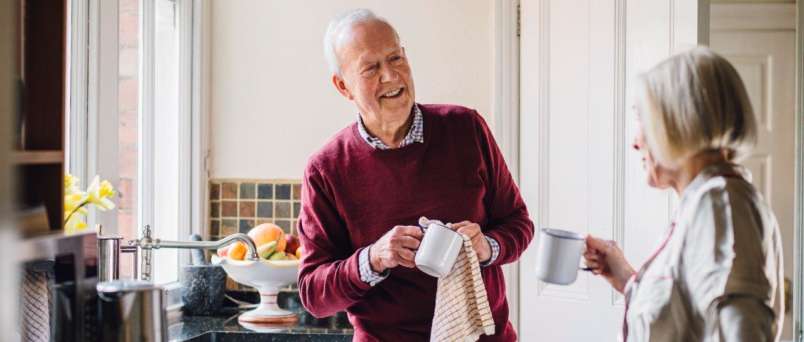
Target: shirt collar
{"points": [[414, 135], [714, 170]]}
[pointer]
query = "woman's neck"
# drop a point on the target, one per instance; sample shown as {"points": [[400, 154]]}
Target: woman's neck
{"points": [[692, 166]]}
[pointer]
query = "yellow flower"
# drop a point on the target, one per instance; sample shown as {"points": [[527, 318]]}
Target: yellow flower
{"points": [[73, 202], [76, 201], [99, 194], [70, 184], [74, 225]]}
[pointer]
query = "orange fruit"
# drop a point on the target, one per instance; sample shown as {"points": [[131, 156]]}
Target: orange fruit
{"points": [[299, 252], [238, 251], [266, 233]]}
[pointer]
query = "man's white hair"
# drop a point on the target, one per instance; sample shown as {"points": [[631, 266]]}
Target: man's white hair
{"points": [[340, 24]]}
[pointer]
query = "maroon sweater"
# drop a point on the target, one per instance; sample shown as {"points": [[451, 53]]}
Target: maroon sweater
{"points": [[353, 194]]}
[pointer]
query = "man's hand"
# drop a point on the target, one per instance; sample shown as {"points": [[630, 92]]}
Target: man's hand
{"points": [[479, 242], [397, 247]]}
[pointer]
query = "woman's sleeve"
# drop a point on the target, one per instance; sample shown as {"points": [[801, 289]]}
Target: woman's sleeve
{"points": [[744, 318], [723, 265]]}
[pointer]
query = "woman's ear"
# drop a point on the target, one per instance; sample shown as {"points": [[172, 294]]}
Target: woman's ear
{"points": [[340, 85]]}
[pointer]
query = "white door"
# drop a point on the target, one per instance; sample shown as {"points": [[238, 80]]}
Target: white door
{"points": [[578, 62], [760, 41]]}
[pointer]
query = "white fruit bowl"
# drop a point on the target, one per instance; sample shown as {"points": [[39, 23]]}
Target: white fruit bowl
{"points": [[267, 276]]}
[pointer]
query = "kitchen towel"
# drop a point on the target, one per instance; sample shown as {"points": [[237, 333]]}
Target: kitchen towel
{"points": [[462, 311]]}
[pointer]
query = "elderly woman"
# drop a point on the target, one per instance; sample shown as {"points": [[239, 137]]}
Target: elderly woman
{"points": [[717, 273]]}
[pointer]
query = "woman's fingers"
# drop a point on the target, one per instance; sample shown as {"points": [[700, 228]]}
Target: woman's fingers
{"points": [[592, 264], [592, 257], [595, 244]]}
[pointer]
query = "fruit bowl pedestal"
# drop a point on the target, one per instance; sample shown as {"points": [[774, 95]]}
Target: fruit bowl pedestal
{"points": [[268, 277]]}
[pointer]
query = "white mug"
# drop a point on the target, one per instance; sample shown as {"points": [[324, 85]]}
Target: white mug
{"points": [[559, 253], [438, 250]]}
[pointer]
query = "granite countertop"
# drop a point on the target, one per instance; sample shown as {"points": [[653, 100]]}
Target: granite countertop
{"points": [[223, 325], [227, 328]]}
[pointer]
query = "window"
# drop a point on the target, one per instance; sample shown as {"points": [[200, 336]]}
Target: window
{"points": [[143, 140], [128, 132], [165, 139]]}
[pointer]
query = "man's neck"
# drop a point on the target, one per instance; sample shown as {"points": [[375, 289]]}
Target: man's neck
{"points": [[390, 132]]}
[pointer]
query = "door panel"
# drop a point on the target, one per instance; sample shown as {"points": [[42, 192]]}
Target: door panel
{"points": [[765, 61], [578, 172]]}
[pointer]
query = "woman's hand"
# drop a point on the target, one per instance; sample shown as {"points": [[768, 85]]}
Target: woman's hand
{"points": [[604, 258]]}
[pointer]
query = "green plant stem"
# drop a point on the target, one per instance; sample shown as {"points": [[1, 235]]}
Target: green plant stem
{"points": [[75, 210]]}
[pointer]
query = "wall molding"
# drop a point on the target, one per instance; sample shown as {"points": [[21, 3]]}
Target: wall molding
{"points": [[145, 169], [798, 303], [200, 116], [92, 158], [506, 114], [730, 16], [535, 171], [76, 151], [618, 191]]}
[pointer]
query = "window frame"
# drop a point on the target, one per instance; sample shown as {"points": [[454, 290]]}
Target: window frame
{"points": [[94, 117], [192, 137]]}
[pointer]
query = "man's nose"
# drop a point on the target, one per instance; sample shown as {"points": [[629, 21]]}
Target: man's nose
{"points": [[388, 74]]}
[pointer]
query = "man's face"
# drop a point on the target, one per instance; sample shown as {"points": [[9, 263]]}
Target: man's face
{"points": [[374, 72]]}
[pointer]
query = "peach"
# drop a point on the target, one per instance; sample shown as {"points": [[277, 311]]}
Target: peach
{"points": [[268, 232]]}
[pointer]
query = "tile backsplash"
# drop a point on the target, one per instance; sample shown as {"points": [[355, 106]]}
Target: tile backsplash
{"points": [[237, 205]]}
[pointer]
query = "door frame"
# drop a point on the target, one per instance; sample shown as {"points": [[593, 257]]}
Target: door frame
{"points": [[798, 305], [771, 17], [505, 104]]}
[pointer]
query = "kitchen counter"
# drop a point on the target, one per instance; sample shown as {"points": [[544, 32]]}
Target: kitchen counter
{"points": [[226, 328]]}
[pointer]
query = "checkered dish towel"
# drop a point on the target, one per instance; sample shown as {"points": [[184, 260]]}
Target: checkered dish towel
{"points": [[462, 311]]}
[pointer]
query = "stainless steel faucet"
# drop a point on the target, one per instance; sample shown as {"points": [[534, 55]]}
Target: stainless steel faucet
{"points": [[143, 250]]}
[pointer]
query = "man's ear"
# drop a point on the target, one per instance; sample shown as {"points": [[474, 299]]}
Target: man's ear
{"points": [[340, 85]]}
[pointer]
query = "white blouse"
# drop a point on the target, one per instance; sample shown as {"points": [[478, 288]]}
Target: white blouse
{"points": [[718, 273]]}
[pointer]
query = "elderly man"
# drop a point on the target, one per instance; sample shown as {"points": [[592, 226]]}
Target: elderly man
{"points": [[364, 191]]}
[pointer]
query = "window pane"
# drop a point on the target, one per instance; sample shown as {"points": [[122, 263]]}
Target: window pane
{"points": [[128, 104], [166, 139]]}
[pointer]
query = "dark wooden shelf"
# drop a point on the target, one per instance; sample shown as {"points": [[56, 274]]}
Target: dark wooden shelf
{"points": [[37, 157]]}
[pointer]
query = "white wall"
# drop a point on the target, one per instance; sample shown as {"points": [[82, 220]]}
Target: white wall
{"points": [[271, 99]]}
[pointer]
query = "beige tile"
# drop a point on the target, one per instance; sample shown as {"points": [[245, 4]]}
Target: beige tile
{"points": [[229, 209], [214, 191], [246, 209], [229, 191], [282, 210]]}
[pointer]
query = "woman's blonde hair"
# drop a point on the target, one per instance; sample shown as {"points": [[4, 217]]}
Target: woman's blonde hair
{"points": [[693, 102]]}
